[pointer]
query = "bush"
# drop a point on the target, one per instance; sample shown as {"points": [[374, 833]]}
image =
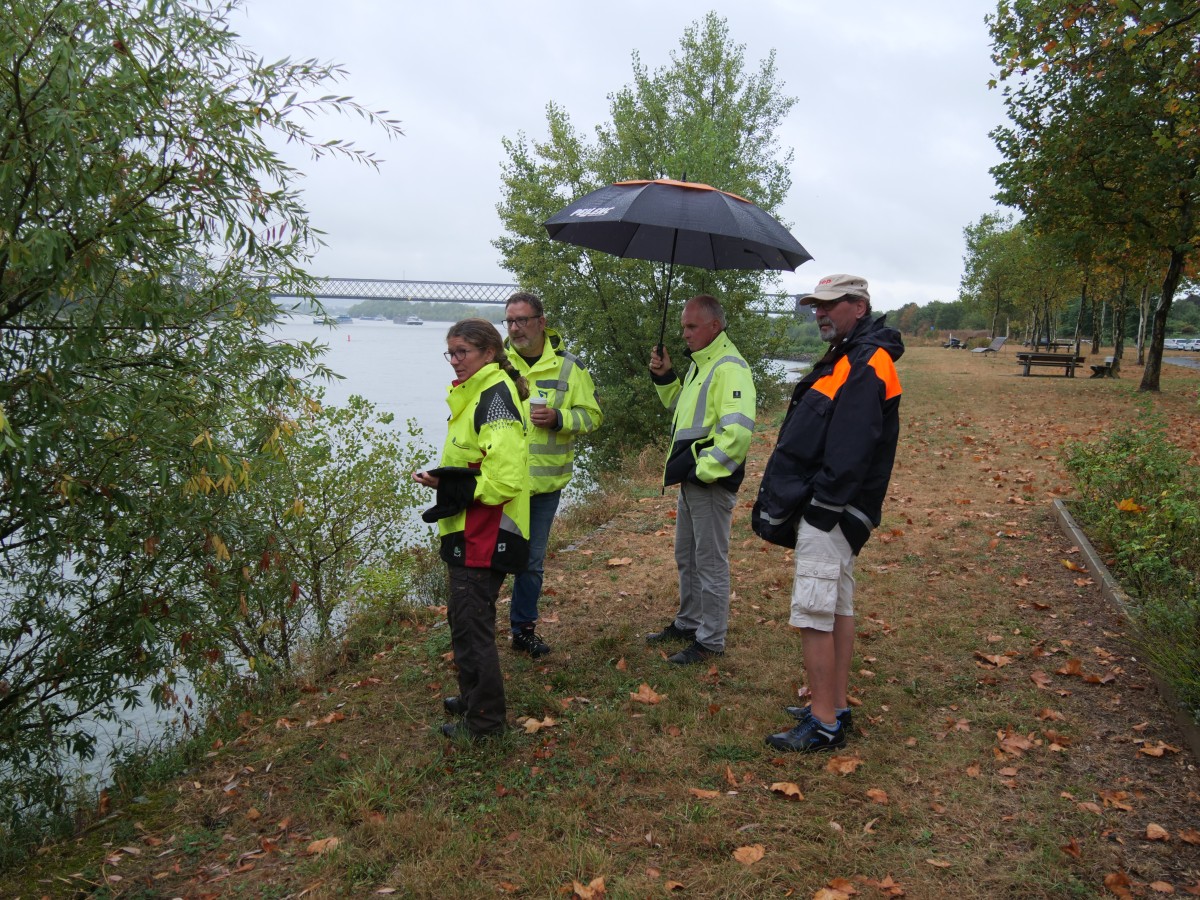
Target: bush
{"points": [[1140, 503]]}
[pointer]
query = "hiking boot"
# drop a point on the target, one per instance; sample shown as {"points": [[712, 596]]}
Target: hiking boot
{"points": [[809, 736], [671, 633], [694, 653], [455, 706], [800, 713], [529, 643]]}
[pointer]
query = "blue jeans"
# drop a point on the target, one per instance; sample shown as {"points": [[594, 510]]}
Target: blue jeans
{"points": [[527, 586]]}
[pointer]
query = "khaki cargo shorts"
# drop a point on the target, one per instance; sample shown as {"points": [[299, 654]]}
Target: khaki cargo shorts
{"points": [[824, 581]]}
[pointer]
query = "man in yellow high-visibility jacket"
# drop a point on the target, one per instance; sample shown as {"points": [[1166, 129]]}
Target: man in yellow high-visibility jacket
{"points": [[713, 422], [563, 405]]}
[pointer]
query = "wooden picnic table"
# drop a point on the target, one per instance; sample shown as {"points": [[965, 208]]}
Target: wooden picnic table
{"points": [[1068, 362]]}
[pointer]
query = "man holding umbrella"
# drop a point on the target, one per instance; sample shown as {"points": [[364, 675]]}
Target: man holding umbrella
{"points": [[713, 421]]}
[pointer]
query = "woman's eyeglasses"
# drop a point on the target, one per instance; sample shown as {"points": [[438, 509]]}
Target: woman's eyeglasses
{"points": [[457, 355]]}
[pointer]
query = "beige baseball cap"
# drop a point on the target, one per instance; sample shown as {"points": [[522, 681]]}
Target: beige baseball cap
{"points": [[834, 287]]}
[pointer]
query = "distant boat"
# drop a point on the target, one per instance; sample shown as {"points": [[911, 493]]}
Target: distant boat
{"points": [[414, 320], [318, 320], [371, 318], [344, 319]]}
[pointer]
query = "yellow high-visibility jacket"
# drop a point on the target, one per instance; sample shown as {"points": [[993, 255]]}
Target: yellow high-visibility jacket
{"points": [[714, 416], [560, 377], [487, 432]]}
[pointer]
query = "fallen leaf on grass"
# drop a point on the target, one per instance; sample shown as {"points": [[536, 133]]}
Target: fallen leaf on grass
{"points": [[622, 561], [590, 891], [1072, 849], [1117, 800], [1190, 836], [1162, 887], [646, 694], [533, 726], [1074, 567], [702, 794], [1157, 833], [939, 863], [1118, 883], [843, 765], [788, 790], [827, 893], [1049, 715], [316, 848], [669, 886], [1041, 679], [749, 855], [875, 795], [1156, 750], [336, 716], [994, 659]]}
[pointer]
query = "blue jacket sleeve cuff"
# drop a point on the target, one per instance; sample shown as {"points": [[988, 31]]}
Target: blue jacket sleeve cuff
{"points": [[822, 517]]}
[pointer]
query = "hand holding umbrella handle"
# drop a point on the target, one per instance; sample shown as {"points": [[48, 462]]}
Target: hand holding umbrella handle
{"points": [[660, 360]]}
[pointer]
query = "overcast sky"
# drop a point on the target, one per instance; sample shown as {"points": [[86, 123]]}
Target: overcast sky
{"points": [[890, 134]]}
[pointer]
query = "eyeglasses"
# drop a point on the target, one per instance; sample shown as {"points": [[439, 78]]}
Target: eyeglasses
{"points": [[520, 320], [457, 355], [825, 306]]}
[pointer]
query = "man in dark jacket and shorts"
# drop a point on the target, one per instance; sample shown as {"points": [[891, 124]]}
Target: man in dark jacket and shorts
{"points": [[823, 489]]}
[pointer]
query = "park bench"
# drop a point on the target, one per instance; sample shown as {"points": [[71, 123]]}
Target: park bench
{"points": [[1103, 370], [994, 346], [1068, 362]]}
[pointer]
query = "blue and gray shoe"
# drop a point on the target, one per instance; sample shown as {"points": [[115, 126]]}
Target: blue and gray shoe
{"points": [[800, 713], [809, 736]]}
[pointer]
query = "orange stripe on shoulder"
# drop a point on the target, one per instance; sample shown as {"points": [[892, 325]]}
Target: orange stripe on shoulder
{"points": [[885, 368], [830, 384]]}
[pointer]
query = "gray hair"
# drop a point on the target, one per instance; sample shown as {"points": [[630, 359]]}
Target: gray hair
{"points": [[711, 306]]}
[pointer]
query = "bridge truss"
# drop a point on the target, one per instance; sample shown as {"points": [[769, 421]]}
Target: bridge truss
{"points": [[422, 291]]}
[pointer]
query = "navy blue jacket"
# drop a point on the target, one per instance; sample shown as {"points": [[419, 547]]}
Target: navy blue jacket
{"points": [[837, 444]]}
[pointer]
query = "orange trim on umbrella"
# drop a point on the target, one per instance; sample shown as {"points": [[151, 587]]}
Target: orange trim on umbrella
{"points": [[695, 185]]}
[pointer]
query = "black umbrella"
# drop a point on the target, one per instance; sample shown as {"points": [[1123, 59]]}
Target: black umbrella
{"points": [[681, 222]]}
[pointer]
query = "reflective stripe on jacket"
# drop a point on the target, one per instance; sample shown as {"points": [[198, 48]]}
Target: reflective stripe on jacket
{"points": [[486, 431], [714, 416], [560, 377]]}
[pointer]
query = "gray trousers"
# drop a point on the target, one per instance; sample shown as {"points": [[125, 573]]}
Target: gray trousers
{"points": [[702, 521]]}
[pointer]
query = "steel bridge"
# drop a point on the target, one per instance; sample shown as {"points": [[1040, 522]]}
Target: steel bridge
{"points": [[417, 291]]}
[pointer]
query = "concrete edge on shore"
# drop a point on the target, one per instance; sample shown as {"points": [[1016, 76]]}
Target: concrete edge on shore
{"points": [[1110, 588]]}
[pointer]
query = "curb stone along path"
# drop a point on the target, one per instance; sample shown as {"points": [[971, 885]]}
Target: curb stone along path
{"points": [[1111, 589]]}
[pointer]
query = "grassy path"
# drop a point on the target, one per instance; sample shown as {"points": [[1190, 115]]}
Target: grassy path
{"points": [[1008, 744]]}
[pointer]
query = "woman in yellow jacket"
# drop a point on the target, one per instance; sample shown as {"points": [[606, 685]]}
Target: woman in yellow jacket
{"points": [[482, 512]]}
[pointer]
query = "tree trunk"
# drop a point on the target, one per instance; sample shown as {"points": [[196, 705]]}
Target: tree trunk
{"points": [[1153, 370], [1143, 318]]}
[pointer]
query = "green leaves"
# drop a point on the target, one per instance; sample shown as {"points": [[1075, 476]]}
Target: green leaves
{"points": [[144, 222], [705, 114]]}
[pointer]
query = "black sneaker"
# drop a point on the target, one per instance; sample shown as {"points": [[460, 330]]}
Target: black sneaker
{"points": [[529, 643], [800, 713], [694, 653], [809, 736], [458, 731], [455, 706], [671, 633]]}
